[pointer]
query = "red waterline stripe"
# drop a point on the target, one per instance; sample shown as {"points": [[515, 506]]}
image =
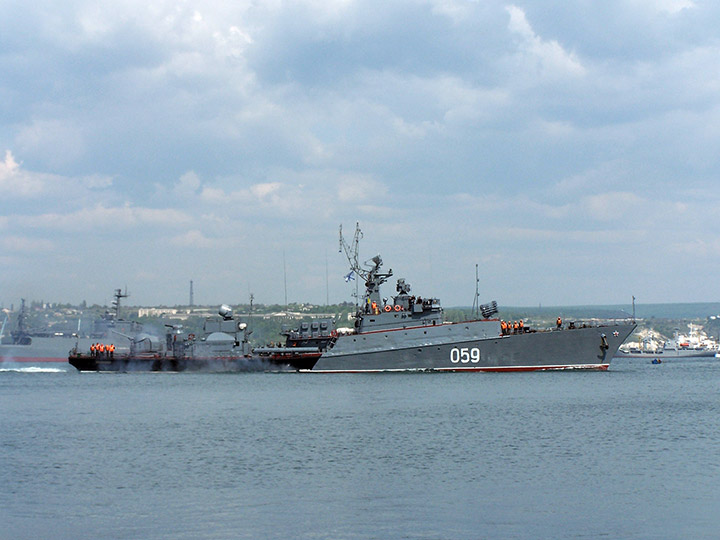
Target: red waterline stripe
{"points": [[596, 367]]}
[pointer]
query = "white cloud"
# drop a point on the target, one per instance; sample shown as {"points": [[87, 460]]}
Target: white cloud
{"points": [[102, 218], [549, 56], [15, 182], [257, 198], [18, 183], [25, 244], [96, 181], [694, 247], [324, 190], [543, 237], [188, 184], [233, 43], [194, 238], [457, 11], [9, 167], [59, 141], [215, 195], [668, 6], [360, 188], [610, 206], [267, 190]]}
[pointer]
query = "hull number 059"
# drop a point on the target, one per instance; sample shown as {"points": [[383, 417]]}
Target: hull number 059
{"points": [[464, 355]]}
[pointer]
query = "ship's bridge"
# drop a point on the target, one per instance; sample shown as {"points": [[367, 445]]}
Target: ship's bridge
{"points": [[405, 310]]}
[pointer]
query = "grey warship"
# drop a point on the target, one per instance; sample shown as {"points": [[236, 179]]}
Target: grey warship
{"points": [[223, 346], [409, 333], [28, 345]]}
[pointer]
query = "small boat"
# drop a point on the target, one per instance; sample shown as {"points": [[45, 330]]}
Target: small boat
{"points": [[694, 344]]}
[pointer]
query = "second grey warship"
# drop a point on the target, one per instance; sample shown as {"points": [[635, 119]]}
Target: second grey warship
{"points": [[28, 345], [223, 346]]}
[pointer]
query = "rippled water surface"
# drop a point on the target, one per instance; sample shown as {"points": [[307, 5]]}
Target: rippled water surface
{"points": [[630, 453]]}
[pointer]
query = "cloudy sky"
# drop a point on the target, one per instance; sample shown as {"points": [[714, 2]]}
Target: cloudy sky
{"points": [[570, 149]]}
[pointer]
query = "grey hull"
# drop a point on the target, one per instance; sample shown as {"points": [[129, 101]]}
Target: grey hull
{"points": [[137, 363], [466, 347]]}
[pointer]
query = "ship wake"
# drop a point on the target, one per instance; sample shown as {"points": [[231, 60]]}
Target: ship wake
{"points": [[31, 369]]}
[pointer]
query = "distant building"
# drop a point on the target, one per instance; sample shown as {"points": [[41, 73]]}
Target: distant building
{"points": [[162, 312]]}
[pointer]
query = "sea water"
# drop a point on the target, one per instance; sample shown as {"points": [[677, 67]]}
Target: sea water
{"points": [[630, 453]]}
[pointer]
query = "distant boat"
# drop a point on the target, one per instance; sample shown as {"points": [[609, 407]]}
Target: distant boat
{"points": [[692, 345], [20, 335], [19, 345], [23, 345]]}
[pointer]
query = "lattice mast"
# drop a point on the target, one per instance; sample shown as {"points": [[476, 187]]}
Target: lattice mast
{"points": [[352, 252]]}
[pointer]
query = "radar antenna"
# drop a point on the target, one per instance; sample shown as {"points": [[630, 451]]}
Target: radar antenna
{"points": [[22, 319], [352, 250], [372, 276], [476, 299], [116, 302]]}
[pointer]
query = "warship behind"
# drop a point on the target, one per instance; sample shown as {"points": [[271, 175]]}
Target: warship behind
{"points": [[409, 333], [23, 345], [222, 347], [27, 346]]}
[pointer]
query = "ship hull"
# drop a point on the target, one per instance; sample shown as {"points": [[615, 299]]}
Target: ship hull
{"points": [[215, 364], [589, 348], [128, 363]]}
